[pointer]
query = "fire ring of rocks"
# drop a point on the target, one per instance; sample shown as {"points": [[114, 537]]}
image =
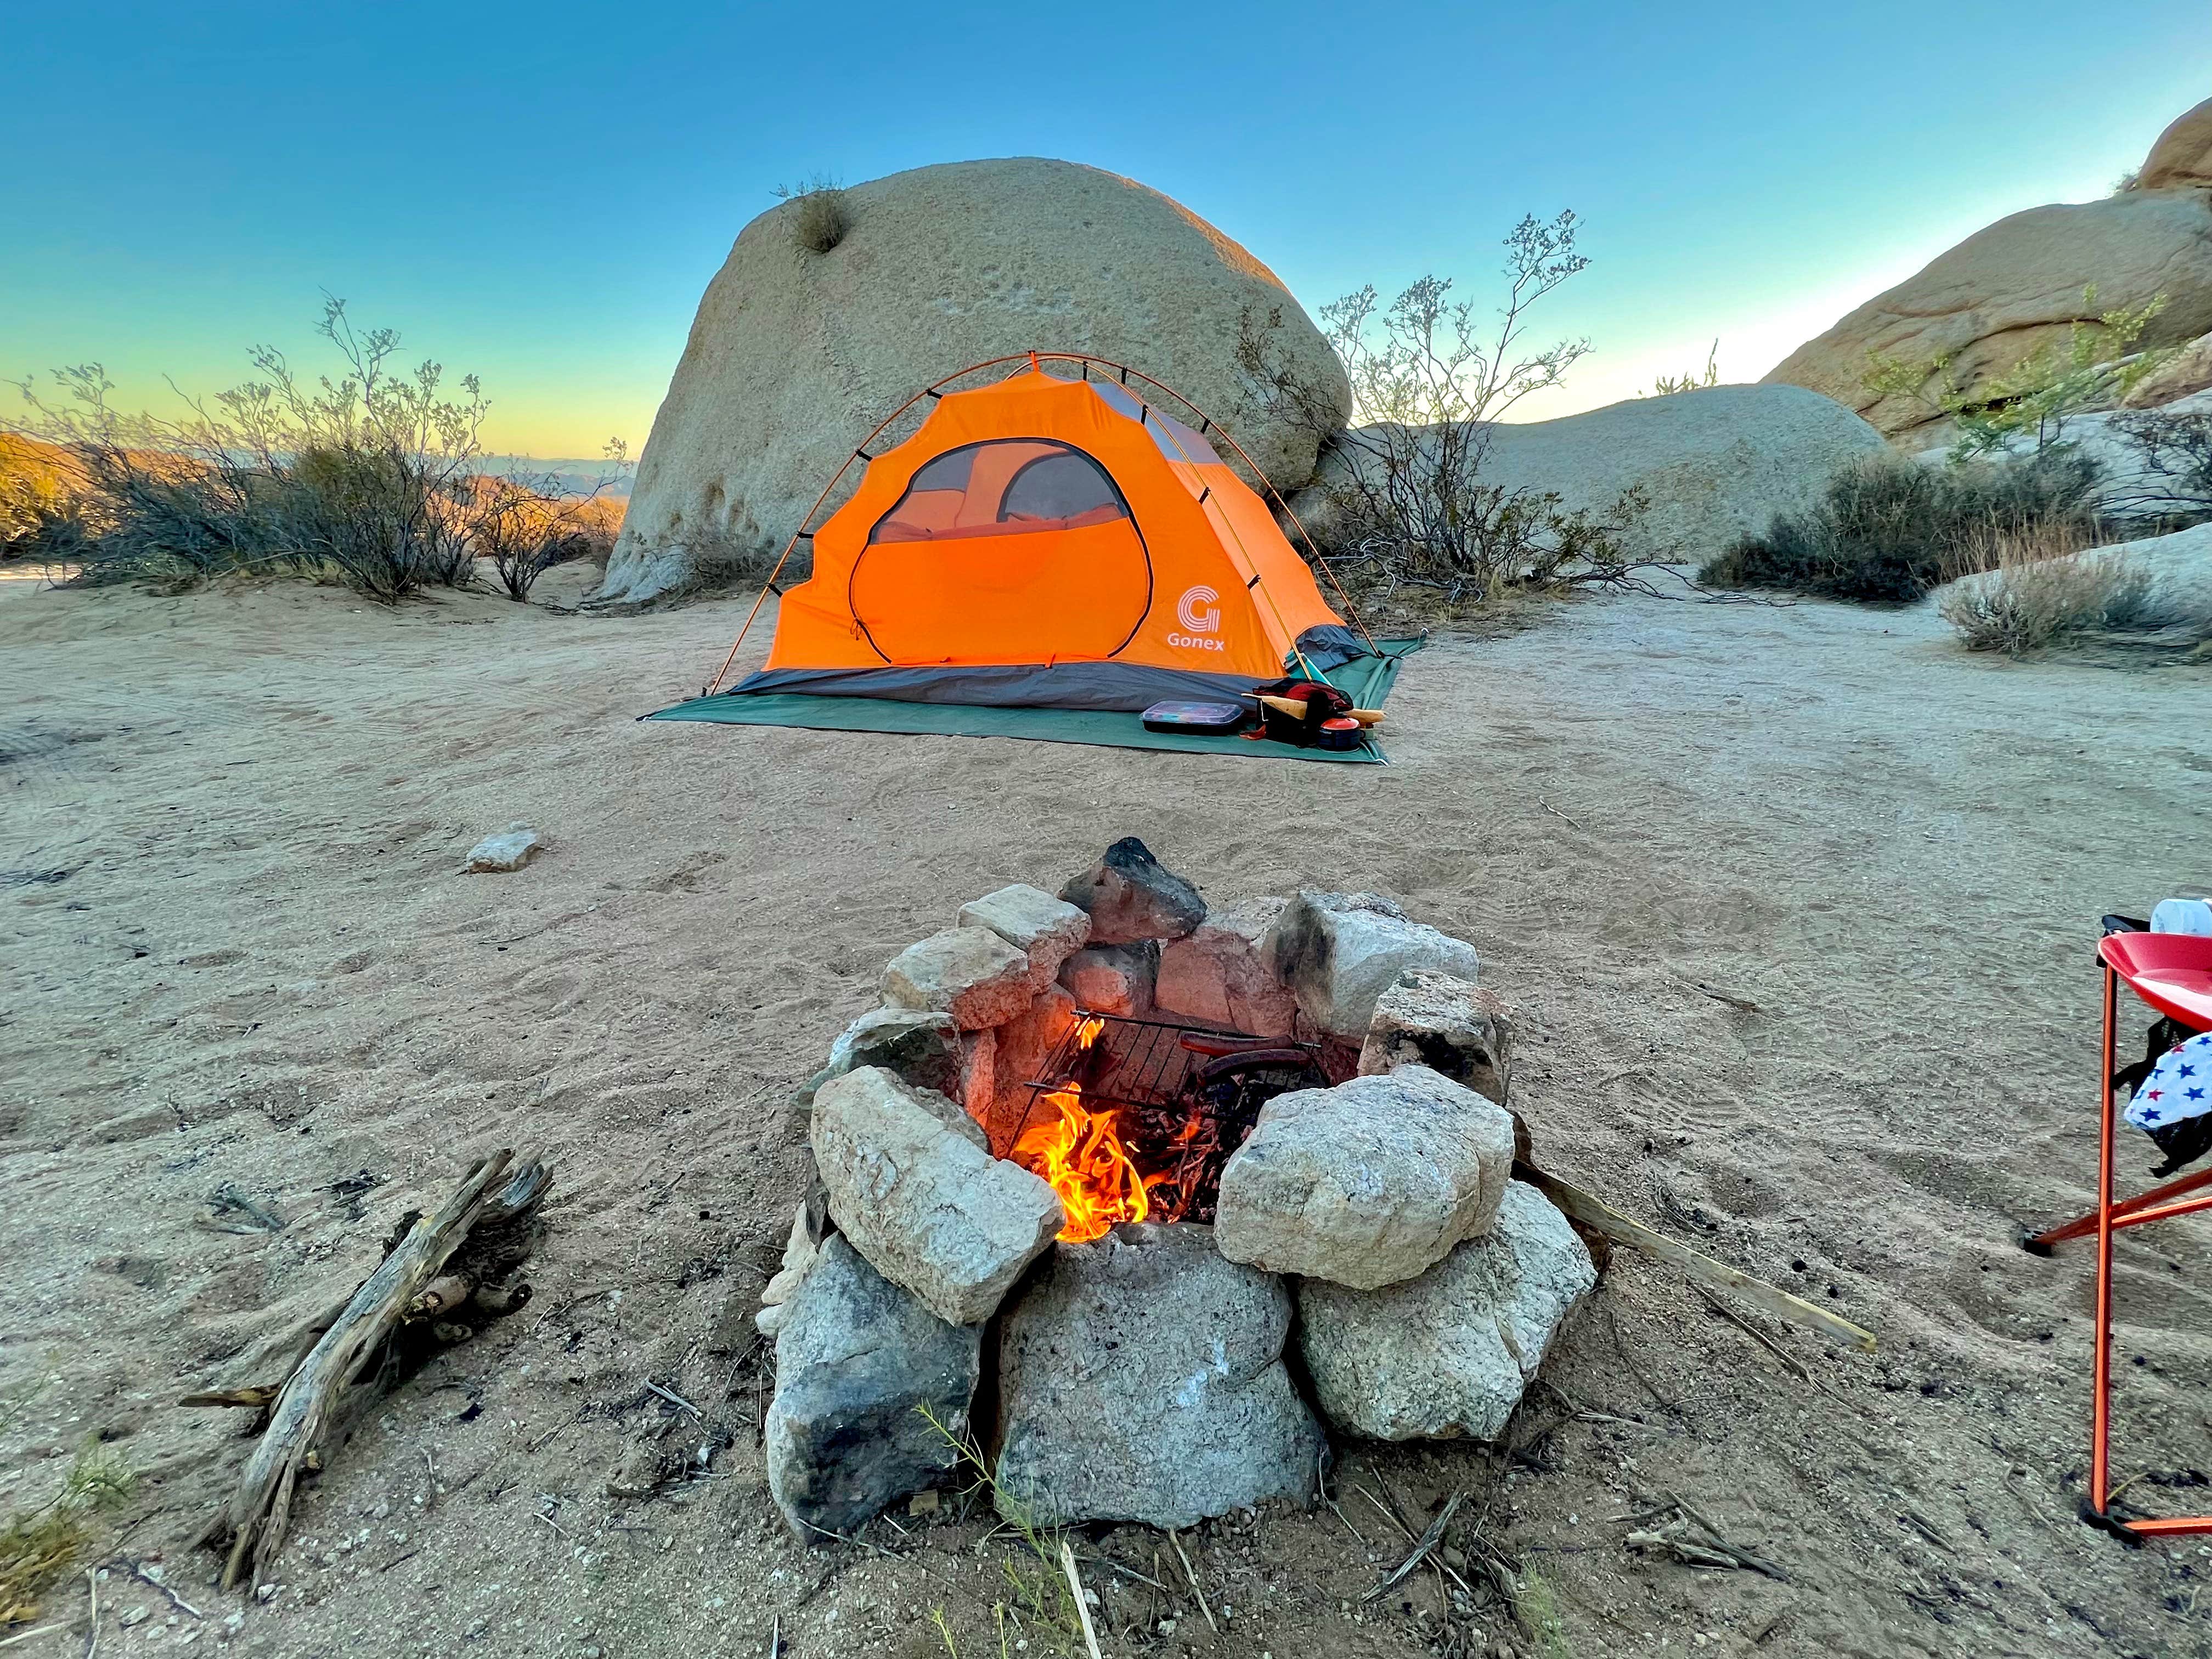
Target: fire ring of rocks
{"points": [[1100, 1160]]}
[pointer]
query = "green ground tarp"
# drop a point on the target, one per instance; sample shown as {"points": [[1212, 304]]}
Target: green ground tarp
{"points": [[1367, 681]]}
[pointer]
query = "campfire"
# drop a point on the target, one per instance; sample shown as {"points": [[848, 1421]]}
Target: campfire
{"points": [[1100, 1160], [1136, 1117]]}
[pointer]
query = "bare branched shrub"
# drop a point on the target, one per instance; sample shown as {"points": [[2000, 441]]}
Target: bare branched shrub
{"points": [[2039, 588], [819, 215], [2174, 485], [370, 477], [526, 523], [1405, 489]]}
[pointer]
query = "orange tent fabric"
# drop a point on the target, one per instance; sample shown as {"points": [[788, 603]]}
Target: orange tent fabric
{"points": [[1051, 541]]}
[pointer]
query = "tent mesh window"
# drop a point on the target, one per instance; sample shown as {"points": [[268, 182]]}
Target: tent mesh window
{"points": [[1002, 487]]}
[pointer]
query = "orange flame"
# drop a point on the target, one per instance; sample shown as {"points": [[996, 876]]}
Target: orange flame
{"points": [[1080, 1155], [1087, 1033]]}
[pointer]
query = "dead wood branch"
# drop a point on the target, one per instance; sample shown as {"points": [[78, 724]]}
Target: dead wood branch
{"points": [[1430, 1537], [1189, 1572], [1602, 1217], [1082, 1606], [310, 1411], [1713, 1549]]}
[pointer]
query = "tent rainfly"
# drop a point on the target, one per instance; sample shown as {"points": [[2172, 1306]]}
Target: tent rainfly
{"points": [[1056, 542]]}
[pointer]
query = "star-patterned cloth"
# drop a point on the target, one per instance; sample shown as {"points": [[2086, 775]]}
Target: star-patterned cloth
{"points": [[2179, 1086]]}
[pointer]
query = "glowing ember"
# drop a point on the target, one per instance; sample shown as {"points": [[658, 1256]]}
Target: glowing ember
{"points": [[1081, 1156]]}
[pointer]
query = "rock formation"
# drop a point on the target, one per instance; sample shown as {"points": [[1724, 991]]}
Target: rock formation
{"points": [[1714, 464], [796, 354], [2018, 285]]}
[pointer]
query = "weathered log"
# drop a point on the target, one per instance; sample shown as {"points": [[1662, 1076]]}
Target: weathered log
{"points": [[309, 1406], [1594, 1212]]}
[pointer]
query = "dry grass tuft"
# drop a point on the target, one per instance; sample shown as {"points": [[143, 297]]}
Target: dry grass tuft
{"points": [[39, 1547], [2039, 587], [819, 215]]}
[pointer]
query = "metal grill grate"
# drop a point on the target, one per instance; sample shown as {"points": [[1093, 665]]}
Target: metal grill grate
{"points": [[1184, 1096]]}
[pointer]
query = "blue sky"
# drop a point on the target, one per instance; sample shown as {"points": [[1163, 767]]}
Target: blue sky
{"points": [[540, 193]]}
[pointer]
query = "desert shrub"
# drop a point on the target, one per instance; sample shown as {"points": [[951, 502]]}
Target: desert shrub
{"points": [[1668, 385], [2027, 406], [1405, 490], [39, 1545], [1889, 529], [526, 523], [38, 495], [2040, 589], [819, 215], [370, 477]]}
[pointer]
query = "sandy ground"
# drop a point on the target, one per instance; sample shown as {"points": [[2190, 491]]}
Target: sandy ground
{"points": [[1797, 903]]}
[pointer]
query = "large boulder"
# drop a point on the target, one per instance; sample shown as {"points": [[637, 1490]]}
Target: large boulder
{"points": [[1220, 974], [2181, 157], [858, 1362], [2016, 287], [1339, 952], [1141, 1378], [911, 1184], [795, 354], [1714, 464], [1448, 1354], [1367, 1183]]}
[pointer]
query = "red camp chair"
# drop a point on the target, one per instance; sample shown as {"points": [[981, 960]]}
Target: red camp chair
{"points": [[2172, 974]]}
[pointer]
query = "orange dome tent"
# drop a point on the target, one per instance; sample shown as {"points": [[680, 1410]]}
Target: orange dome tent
{"points": [[1049, 542]]}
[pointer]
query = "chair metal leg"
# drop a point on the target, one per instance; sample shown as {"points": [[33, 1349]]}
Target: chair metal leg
{"points": [[2128, 1213], [2100, 1384]]}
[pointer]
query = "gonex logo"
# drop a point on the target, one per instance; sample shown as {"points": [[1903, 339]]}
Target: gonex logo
{"points": [[1199, 613]]}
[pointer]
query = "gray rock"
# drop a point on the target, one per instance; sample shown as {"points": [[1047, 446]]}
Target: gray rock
{"points": [[1714, 464], [919, 1045], [510, 849], [1141, 1379], [1113, 979], [1447, 1354], [1339, 951], [1450, 1025], [1368, 1183], [858, 1360], [970, 973], [793, 351], [1220, 975], [1048, 930], [930, 1208], [1131, 897]]}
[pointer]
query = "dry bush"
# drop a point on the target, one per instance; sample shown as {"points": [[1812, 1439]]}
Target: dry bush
{"points": [[819, 215], [1886, 529], [2038, 587], [371, 477], [1408, 504]]}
